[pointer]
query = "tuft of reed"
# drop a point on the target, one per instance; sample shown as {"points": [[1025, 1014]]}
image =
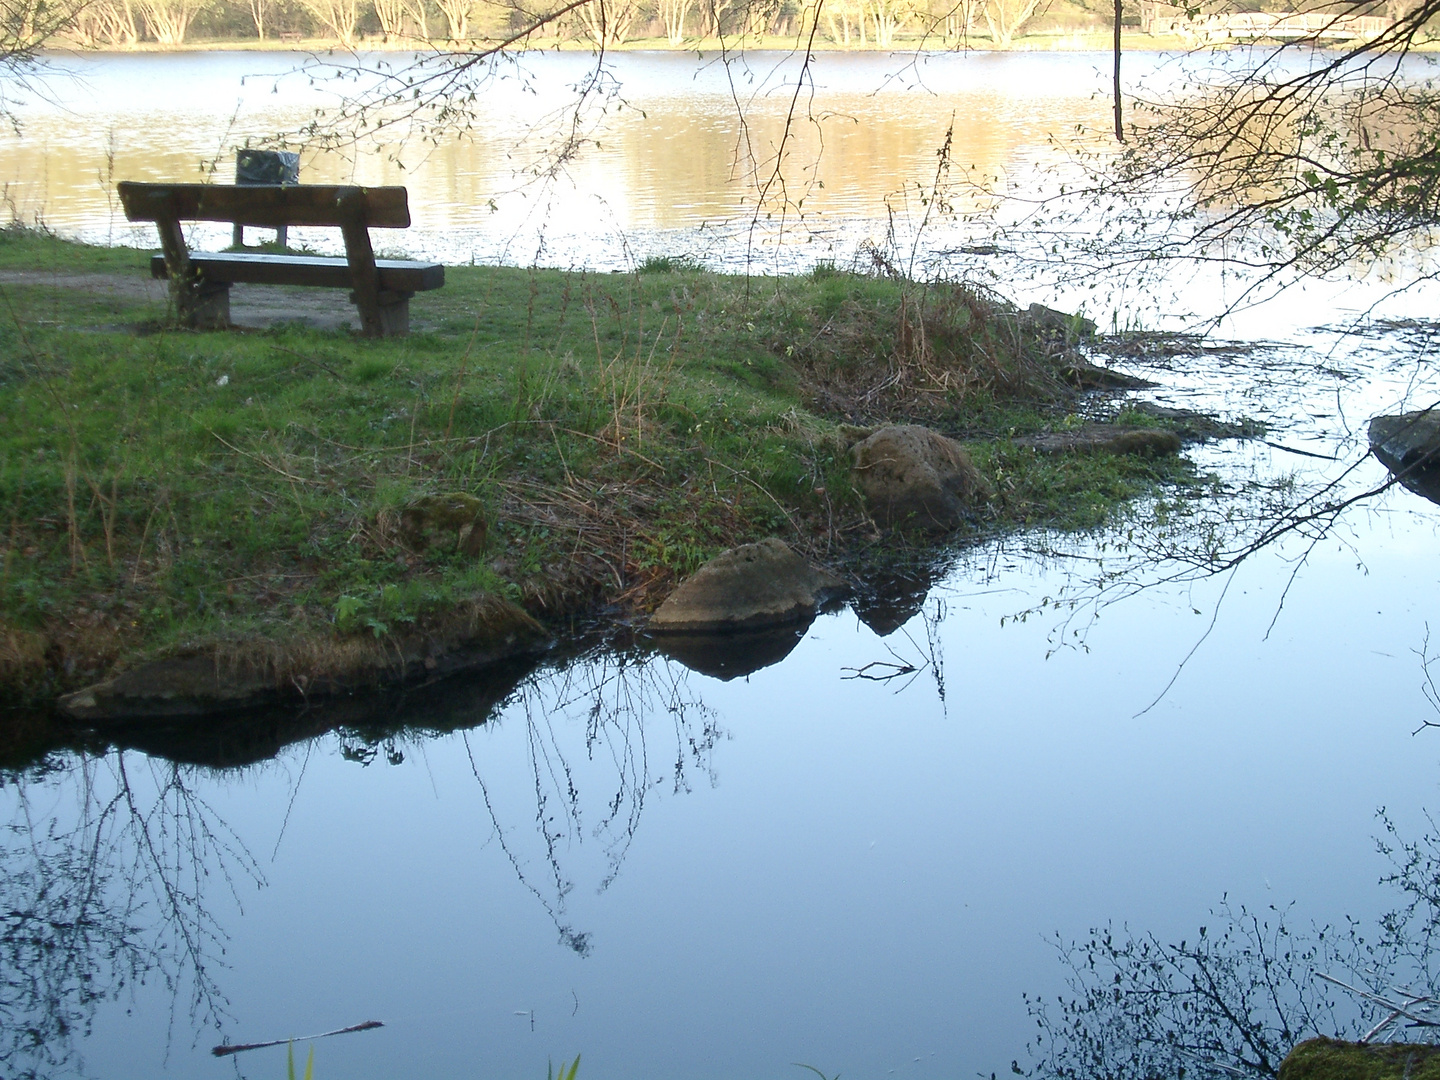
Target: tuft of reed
{"points": [[669, 264], [886, 349]]}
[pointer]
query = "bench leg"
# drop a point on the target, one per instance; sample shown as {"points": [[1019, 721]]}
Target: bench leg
{"points": [[208, 306], [395, 317], [394, 312]]}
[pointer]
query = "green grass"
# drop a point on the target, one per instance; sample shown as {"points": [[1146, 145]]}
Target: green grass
{"points": [[161, 488], [309, 1072]]}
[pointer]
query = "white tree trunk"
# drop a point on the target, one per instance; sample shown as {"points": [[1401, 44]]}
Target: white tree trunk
{"points": [[673, 14], [457, 18], [391, 14], [337, 16], [608, 22], [168, 20], [1006, 17]]}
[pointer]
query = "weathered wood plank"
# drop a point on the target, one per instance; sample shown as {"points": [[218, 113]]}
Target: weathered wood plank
{"points": [[396, 275], [361, 257], [269, 205]]}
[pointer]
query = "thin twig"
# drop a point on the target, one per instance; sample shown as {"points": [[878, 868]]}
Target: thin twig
{"points": [[226, 1049]]}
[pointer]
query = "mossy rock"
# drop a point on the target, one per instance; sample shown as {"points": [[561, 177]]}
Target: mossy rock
{"points": [[450, 522], [916, 479], [1105, 439], [1331, 1059]]}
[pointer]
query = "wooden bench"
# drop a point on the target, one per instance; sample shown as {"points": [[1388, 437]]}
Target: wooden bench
{"points": [[200, 282]]}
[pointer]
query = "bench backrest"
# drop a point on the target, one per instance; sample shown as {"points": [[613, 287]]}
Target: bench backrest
{"points": [[267, 205]]}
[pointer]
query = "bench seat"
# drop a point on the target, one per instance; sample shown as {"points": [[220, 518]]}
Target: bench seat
{"points": [[200, 282], [396, 275]]}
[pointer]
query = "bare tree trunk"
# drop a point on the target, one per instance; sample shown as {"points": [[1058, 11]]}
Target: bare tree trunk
{"points": [[391, 14], [337, 16], [457, 18], [889, 16], [717, 9], [608, 22], [673, 14], [168, 20], [1005, 18], [419, 14]]}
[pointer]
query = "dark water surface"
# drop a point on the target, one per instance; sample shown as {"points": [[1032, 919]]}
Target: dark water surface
{"points": [[676, 875]]}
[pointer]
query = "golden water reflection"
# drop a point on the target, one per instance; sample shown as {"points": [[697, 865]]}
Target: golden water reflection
{"points": [[680, 157]]}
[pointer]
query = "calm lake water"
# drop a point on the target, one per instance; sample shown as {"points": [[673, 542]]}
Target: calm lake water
{"points": [[675, 875], [675, 169]]}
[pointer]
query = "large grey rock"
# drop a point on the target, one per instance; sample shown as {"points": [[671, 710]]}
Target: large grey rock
{"points": [[1409, 446], [747, 588], [916, 478]]}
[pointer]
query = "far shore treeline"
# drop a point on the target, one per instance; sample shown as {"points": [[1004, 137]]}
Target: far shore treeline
{"points": [[469, 24]]}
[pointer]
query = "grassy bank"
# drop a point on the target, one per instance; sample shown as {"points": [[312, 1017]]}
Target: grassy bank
{"points": [[164, 489]]}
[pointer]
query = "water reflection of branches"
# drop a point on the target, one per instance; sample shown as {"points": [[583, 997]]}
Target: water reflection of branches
{"points": [[612, 695], [1233, 1000], [1206, 532], [931, 657], [103, 881]]}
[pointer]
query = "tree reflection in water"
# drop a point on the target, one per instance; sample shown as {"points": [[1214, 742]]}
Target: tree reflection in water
{"points": [[607, 696], [1233, 1000], [104, 867]]}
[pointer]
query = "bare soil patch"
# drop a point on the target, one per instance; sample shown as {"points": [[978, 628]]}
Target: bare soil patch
{"points": [[255, 307]]}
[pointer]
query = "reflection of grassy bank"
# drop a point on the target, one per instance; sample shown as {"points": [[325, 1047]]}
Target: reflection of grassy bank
{"points": [[165, 490]]}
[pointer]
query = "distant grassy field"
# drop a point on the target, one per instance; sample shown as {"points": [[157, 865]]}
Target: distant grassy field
{"points": [[163, 489]]}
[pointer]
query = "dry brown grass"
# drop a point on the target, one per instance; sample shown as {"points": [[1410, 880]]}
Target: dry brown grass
{"points": [[941, 349], [22, 655]]}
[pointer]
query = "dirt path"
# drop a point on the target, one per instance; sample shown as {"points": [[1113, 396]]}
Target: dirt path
{"points": [[252, 306]]}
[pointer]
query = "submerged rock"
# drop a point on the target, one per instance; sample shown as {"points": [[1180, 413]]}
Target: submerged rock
{"points": [[1331, 1059], [1072, 327], [225, 679], [449, 522], [1105, 439], [1409, 446], [1083, 375], [747, 588], [1193, 426], [913, 477]]}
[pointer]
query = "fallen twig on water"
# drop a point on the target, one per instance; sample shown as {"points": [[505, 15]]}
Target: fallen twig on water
{"points": [[227, 1048]]}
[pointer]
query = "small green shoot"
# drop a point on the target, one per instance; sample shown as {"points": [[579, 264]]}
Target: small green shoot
{"points": [[309, 1063]]}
